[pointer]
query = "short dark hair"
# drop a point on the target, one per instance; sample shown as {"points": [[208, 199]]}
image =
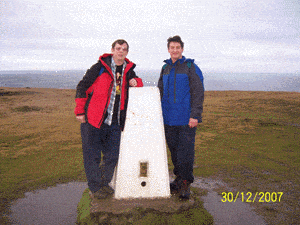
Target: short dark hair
{"points": [[176, 38], [120, 42]]}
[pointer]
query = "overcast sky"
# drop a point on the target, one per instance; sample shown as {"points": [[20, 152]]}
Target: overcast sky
{"points": [[221, 35]]}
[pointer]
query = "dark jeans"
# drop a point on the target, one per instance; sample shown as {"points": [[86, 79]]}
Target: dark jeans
{"points": [[105, 140], [181, 142]]}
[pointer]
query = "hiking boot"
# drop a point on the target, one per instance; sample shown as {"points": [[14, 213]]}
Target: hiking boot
{"points": [[174, 186], [184, 191], [102, 193]]}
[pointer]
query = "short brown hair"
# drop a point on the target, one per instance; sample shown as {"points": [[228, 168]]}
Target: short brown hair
{"points": [[175, 39], [120, 42]]}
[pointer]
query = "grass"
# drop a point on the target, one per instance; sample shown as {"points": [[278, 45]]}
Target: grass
{"points": [[27, 108], [250, 140], [38, 148], [195, 214]]}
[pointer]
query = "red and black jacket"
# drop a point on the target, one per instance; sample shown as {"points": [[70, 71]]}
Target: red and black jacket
{"points": [[94, 90]]}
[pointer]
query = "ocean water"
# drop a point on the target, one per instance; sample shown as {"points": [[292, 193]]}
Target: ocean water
{"points": [[69, 79]]}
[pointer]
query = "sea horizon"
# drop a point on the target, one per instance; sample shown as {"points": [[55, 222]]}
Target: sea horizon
{"points": [[213, 81]]}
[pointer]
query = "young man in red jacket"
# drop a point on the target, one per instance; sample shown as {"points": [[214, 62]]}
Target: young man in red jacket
{"points": [[101, 103]]}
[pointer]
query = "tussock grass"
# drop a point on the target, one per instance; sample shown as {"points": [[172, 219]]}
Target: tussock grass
{"points": [[248, 139], [27, 108]]}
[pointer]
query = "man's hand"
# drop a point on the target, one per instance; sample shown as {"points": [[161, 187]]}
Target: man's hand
{"points": [[132, 83], [81, 118], [193, 122]]}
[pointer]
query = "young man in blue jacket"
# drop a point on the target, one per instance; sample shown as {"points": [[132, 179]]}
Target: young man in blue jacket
{"points": [[182, 95]]}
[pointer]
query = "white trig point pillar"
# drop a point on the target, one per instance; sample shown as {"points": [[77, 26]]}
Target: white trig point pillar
{"points": [[142, 170]]}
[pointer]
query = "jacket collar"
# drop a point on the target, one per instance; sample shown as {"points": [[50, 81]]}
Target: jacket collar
{"points": [[106, 58], [182, 60], [169, 61]]}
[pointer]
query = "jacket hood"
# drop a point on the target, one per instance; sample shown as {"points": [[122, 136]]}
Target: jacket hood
{"points": [[182, 60]]}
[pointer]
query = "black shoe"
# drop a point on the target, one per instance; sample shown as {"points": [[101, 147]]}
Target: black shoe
{"points": [[184, 192], [174, 186]]}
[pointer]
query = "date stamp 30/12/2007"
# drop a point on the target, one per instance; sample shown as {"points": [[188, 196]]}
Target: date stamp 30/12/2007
{"points": [[252, 197]]}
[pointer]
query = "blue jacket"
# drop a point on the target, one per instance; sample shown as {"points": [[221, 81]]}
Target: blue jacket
{"points": [[182, 92]]}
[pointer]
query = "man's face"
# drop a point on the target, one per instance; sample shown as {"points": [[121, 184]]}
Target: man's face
{"points": [[175, 51], [119, 52]]}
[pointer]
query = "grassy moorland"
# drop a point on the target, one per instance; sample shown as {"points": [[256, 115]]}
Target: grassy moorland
{"points": [[250, 140], [39, 140]]}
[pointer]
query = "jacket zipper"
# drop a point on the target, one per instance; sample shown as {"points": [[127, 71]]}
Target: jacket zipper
{"points": [[106, 106], [174, 84], [174, 87]]}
